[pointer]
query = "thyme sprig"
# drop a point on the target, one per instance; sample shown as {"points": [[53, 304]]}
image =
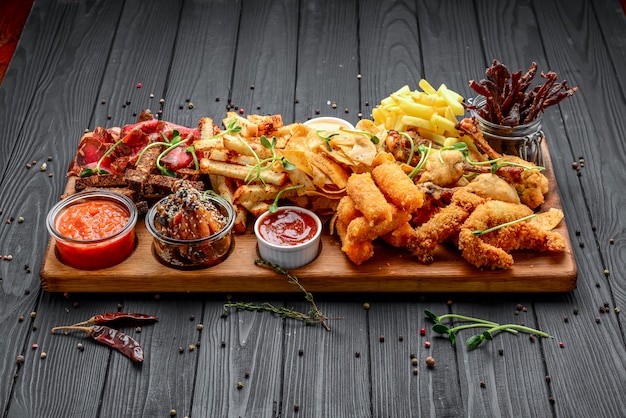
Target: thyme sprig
{"points": [[314, 316], [470, 322]]}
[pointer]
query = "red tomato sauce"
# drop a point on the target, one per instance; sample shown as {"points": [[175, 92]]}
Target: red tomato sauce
{"points": [[93, 222], [288, 227]]}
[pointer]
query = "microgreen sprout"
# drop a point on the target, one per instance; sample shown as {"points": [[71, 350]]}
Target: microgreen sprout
{"points": [[97, 170], [169, 145], [471, 322], [463, 149], [326, 138], [474, 341], [231, 128], [370, 135], [495, 228], [266, 163], [424, 154], [274, 206], [412, 146]]}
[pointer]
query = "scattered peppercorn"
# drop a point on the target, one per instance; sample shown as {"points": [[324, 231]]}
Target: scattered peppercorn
{"points": [[240, 385], [80, 346], [552, 400], [34, 346], [606, 272], [138, 85], [548, 378], [562, 344], [172, 412], [366, 306], [357, 354], [190, 105], [334, 105], [415, 371], [617, 310], [20, 359], [300, 352], [138, 329], [381, 338], [483, 384], [223, 344], [566, 319], [199, 327], [531, 338], [427, 344], [181, 349], [501, 352], [414, 362], [597, 320], [20, 219], [401, 338], [192, 347], [296, 407], [422, 331], [430, 362], [611, 241], [33, 314], [43, 355]]}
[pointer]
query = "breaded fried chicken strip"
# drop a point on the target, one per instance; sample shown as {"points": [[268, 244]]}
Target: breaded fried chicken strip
{"points": [[442, 225], [491, 250]]}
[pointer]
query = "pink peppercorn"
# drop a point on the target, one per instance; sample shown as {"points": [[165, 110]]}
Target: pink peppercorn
{"points": [[138, 85], [422, 331]]}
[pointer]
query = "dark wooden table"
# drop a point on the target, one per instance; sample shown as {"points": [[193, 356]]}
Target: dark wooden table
{"points": [[77, 66]]}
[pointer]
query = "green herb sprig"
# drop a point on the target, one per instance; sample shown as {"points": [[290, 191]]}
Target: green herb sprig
{"points": [[266, 163], [495, 228], [470, 322], [314, 316], [274, 206], [97, 170], [169, 145]]}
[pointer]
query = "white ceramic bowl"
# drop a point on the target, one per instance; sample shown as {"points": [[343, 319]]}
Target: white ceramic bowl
{"points": [[328, 123], [290, 254]]}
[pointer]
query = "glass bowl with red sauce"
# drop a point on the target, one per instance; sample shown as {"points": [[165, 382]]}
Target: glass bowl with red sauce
{"points": [[289, 237], [93, 230]]}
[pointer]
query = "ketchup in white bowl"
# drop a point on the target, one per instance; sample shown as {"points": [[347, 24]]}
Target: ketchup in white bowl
{"points": [[288, 237]]}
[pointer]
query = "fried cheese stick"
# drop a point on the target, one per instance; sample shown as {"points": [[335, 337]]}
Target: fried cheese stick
{"points": [[397, 186], [368, 199]]}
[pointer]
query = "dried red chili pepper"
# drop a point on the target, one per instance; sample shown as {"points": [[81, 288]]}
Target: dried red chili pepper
{"points": [[118, 340], [117, 318]]}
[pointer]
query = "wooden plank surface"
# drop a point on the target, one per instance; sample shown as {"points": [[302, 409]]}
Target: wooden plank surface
{"points": [[73, 56], [390, 270]]}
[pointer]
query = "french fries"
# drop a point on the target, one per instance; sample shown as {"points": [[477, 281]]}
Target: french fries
{"points": [[432, 112]]}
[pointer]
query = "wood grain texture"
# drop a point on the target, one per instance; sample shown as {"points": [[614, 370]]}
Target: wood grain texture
{"points": [[75, 55]]}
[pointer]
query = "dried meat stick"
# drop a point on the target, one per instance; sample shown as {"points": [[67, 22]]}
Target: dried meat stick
{"points": [[368, 199], [398, 187]]}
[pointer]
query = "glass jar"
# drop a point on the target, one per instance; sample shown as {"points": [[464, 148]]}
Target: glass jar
{"points": [[523, 141]]}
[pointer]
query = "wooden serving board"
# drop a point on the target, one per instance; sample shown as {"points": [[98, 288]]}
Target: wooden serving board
{"points": [[390, 270]]}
